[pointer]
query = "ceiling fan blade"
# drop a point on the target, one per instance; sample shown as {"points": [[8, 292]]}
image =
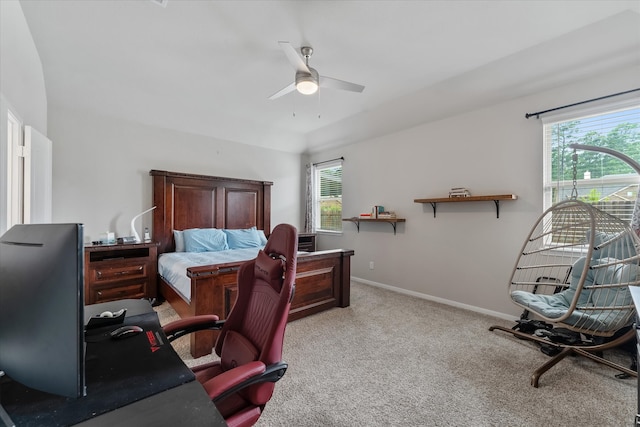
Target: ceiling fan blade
{"points": [[332, 83], [294, 57], [283, 91]]}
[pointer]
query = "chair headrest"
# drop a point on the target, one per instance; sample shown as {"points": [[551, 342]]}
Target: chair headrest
{"points": [[270, 270], [283, 241]]}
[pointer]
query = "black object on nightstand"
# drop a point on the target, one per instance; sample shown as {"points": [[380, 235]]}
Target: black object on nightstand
{"points": [[307, 242]]}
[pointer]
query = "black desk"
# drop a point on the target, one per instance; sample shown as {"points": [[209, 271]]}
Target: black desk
{"points": [[185, 405], [138, 381]]}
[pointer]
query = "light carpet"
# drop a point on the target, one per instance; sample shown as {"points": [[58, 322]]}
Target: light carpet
{"points": [[393, 360]]}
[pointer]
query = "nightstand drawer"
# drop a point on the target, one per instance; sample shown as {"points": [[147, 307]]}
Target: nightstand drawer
{"points": [[117, 273], [134, 290]]}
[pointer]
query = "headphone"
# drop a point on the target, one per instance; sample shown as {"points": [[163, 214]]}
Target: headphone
{"points": [[112, 313]]}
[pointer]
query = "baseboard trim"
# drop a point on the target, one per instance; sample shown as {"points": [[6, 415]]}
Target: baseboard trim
{"points": [[435, 299]]}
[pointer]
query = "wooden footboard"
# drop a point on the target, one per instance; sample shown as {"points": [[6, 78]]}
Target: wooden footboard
{"points": [[322, 282]]}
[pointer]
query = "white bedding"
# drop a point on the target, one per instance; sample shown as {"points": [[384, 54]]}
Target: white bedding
{"points": [[172, 266]]}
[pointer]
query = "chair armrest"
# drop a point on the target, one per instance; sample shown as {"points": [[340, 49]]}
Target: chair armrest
{"points": [[234, 380], [227, 380], [179, 328]]}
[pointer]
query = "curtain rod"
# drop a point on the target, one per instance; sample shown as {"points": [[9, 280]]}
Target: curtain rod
{"points": [[327, 161], [579, 103]]}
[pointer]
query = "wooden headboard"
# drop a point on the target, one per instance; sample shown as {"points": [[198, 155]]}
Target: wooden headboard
{"points": [[185, 201]]}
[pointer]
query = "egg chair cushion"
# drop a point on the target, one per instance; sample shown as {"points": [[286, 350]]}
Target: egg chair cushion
{"points": [[599, 307]]}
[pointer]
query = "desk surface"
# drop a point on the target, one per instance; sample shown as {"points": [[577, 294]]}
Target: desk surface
{"points": [[120, 388], [185, 405]]}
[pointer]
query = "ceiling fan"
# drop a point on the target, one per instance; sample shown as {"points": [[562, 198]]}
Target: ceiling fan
{"points": [[307, 79]]}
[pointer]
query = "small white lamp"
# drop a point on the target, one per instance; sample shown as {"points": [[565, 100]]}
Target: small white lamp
{"points": [[133, 231]]}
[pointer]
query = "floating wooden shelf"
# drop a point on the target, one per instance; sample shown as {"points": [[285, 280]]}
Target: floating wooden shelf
{"points": [[495, 198], [357, 220]]}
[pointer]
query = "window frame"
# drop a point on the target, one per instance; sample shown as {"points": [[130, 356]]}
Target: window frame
{"points": [[316, 201]]}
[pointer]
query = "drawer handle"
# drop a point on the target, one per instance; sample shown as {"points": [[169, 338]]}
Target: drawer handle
{"points": [[125, 272], [129, 271]]}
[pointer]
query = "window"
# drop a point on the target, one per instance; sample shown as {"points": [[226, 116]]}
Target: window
{"points": [[600, 179], [327, 196]]}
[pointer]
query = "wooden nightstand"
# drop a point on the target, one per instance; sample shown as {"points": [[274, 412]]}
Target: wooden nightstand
{"points": [[113, 272], [307, 242]]}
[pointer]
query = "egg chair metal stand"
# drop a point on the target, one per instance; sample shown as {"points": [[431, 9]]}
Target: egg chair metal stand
{"points": [[572, 277]]}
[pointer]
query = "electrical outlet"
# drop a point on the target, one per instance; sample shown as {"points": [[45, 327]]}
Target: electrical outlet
{"points": [[370, 265]]}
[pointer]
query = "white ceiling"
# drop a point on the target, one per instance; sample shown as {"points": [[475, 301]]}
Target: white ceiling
{"points": [[208, 67]]}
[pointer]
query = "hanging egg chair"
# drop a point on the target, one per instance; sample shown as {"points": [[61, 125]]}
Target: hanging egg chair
{"points": [[573, 274]]}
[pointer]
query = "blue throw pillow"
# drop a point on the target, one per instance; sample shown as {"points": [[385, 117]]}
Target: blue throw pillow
{"points": [[263, 238], [205, 240], [619, 246], [243, 238]]}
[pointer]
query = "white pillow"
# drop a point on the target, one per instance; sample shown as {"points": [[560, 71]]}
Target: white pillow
{"points": [[178, 237]]}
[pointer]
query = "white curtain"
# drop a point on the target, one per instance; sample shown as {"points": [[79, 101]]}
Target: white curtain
{"points": [[308, 214]]}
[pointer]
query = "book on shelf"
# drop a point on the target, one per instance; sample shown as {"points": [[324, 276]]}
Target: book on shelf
{"points": [[386, 215], [459, 192]]}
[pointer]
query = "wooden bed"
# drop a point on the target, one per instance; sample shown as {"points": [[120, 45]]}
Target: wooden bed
{"points": [[197, 201]]}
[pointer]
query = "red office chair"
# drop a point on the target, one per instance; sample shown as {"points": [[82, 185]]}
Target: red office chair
{"points": [[250, 340]]}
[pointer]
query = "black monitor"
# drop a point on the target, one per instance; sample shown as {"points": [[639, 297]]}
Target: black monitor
{"points": [[42, 307]]}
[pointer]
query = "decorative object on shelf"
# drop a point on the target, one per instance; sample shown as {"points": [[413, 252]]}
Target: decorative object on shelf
{"points": [[459, 192], [376, 210], [133, 231], [496, 199]]}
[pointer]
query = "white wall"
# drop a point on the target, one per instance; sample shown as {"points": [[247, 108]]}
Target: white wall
{"points": [[22, 86], [465, 254], [101, 170]]}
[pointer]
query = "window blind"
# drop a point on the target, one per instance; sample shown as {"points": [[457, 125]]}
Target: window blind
{"points": [[599, 178], [328, 196]]}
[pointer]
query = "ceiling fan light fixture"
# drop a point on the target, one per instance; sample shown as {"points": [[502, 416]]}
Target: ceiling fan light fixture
{"points": [[307, 87], [307, 83]]}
